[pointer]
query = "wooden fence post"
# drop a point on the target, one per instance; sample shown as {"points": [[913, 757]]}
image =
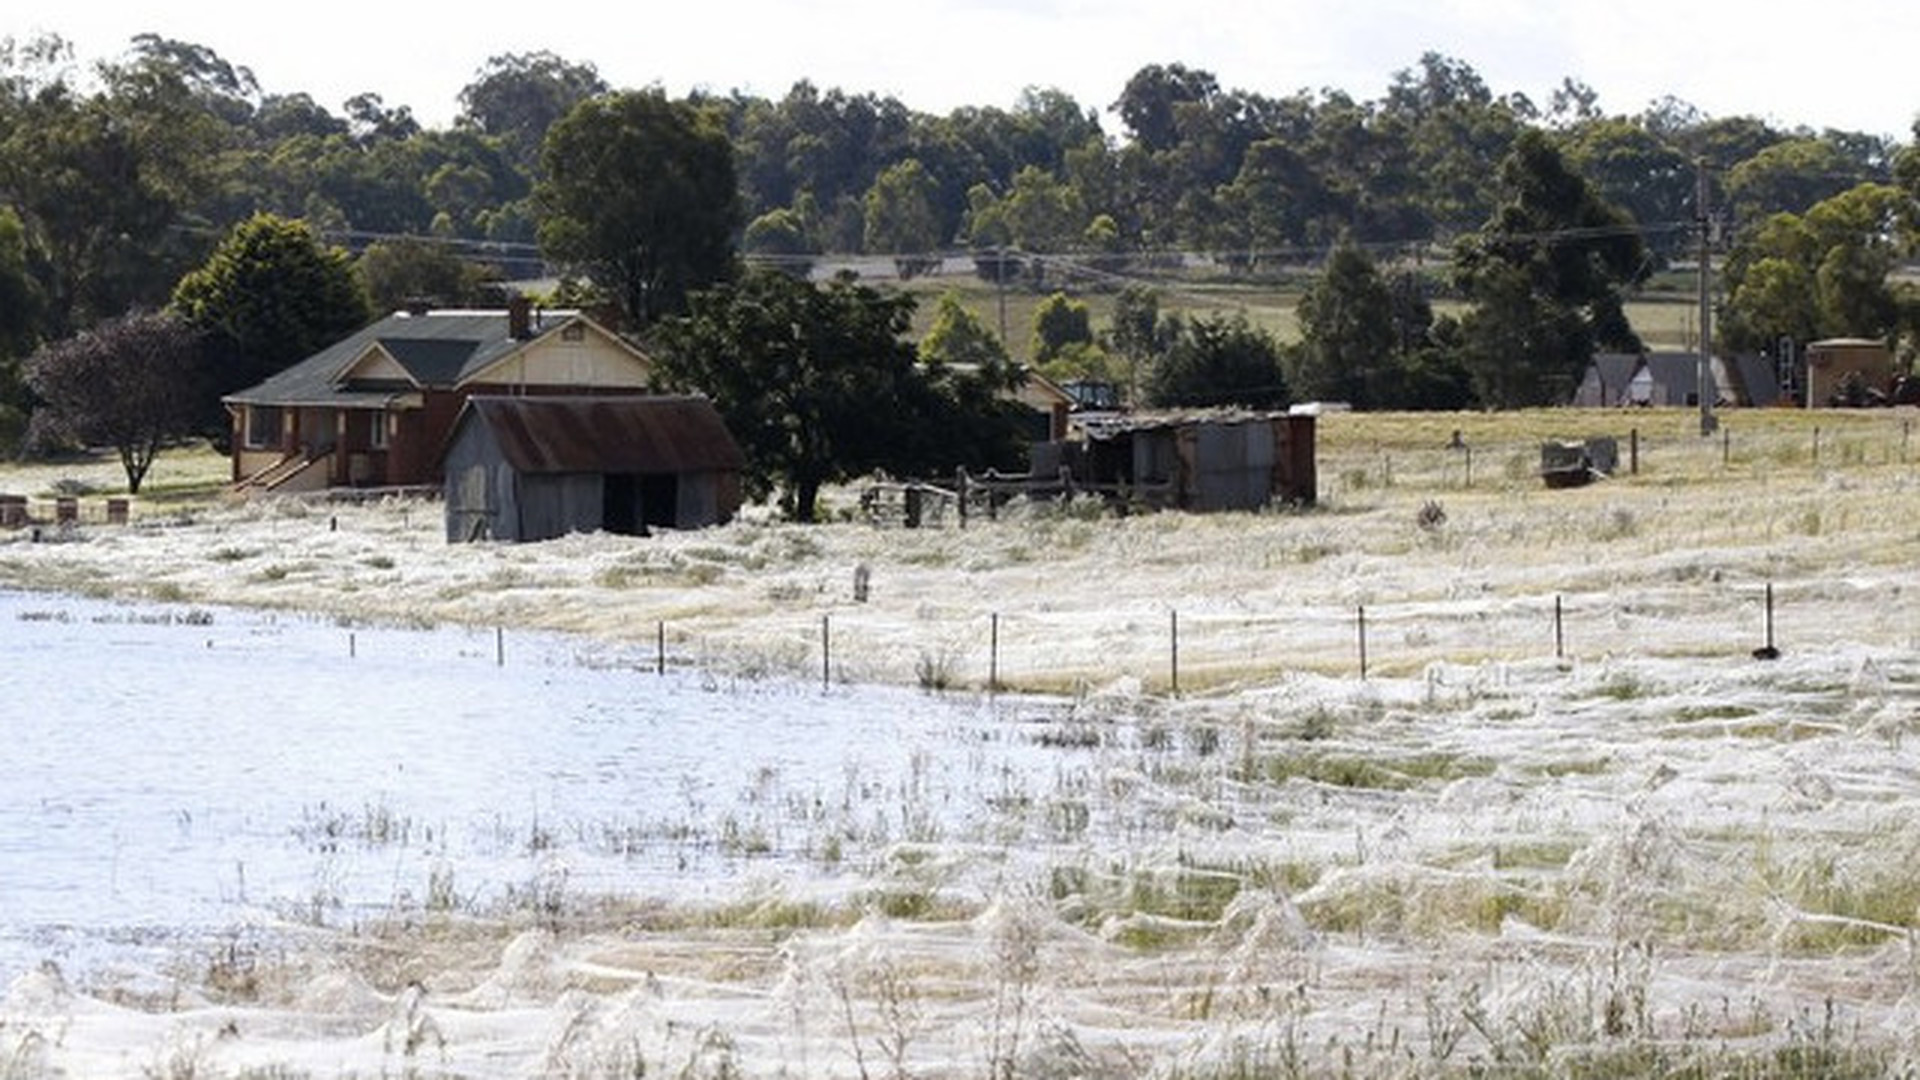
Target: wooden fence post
{"points": [[993, 654], [1362, 628], [826, 652], [1559, 638]]}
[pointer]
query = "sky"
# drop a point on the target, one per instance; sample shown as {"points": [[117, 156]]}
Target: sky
{"points": [[1840, 64]]}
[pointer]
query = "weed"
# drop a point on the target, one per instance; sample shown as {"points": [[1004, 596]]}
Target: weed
{"points": [[934, 669]]}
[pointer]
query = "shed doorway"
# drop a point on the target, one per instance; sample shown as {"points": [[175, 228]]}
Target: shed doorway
{"points": [[620, 505], [659, 500]]}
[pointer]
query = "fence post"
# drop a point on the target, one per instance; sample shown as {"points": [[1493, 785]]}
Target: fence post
{"points": [[1816, 444], [1633, 452], [1469, 466], [499, 646], [1768, 651], [660, 647], [352, 647], [1559, 636], [826, 652], [1362, 627], [1726, 447], [993, 653]]}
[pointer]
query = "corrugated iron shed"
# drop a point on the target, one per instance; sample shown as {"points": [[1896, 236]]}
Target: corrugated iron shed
{"points": [[552, 435]]}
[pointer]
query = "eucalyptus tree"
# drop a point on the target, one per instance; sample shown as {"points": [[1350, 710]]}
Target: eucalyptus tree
{"points": [[1546, 277], [638, 194]]}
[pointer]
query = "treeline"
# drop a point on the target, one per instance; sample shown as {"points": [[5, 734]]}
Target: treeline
{"points": [[119, 180]]}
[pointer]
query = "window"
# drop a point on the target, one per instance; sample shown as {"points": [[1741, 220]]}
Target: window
{"points": [[377, 430], [263, 427]]}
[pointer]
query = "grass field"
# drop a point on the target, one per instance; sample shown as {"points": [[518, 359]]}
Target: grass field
{"points": [[1565, 825]]}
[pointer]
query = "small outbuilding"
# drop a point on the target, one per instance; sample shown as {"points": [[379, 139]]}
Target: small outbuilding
{"points": [[1204, 462], [535, 468], [1841, 370]]}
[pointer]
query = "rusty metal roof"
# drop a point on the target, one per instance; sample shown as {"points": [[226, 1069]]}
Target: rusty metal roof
{"points": [[625, 434]]}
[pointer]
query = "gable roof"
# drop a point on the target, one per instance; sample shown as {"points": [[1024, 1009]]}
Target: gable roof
{"points": [[438, 350], [551, 434]]}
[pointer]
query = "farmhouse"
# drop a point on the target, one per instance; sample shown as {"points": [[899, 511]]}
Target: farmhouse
{"points": [[375, 409], [534, 468]]}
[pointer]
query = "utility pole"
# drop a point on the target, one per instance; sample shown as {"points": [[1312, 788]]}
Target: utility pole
{"points": [[1704, 381]]}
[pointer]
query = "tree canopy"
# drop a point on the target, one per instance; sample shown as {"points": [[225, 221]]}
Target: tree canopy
{"points": [[119, 178], [819, 385], [132, 383], [271, 294], [639, 196], [1546, 277], [1219, 360]]}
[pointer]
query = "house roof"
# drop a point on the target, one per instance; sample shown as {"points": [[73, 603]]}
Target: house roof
{"points": [[438, 350], [1615, 369], [1105, 426], [627, 434], [1759, 381], [1678, 372]]}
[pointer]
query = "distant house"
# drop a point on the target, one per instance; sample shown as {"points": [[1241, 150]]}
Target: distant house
{"points": [[1670, 379], [1050, 403], [1756, 381], [374, 409], [1605, 384], [534, 468], [1833, 364]]}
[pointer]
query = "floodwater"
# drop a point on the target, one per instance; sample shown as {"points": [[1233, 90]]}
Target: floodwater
{"points": [[176, 773]]}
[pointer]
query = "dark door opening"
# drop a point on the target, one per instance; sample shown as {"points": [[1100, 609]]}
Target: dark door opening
{"points": [[660, 500], [620, 505]]}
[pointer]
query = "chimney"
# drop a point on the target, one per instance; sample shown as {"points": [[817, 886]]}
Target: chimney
{"points": [[519, 317], [419, 305]]}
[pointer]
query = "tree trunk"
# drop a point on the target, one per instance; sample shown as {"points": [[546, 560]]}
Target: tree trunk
{"points": [[806, 494]]}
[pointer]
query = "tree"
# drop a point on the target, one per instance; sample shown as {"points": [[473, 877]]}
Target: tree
{"points": [[1641, 173], [1347, 325], [516, 97], [1137, 334], [903, 218], [639, 195], [132, 383], [1824, 273], [780, 237], [396, 273], [818, 384], [1150, 103], [957, 338], [1220, 360], [96, 183], [1790, 177], [1059, 322], [1546, 277], [269, 295]]}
